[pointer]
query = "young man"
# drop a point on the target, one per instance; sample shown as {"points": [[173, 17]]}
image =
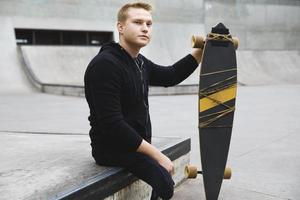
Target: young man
{"points": [[116, 89]]}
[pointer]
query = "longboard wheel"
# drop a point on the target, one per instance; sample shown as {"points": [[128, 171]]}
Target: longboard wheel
{"points": [[227, 173], [235, 42], [190, 171], [197, 41]]}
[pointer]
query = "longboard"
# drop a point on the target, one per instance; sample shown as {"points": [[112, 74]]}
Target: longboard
{"points": [[217, 93]]}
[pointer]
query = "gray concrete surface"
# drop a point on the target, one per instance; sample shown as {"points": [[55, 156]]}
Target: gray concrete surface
{"points": [[12, 77], [268, 67], [58, 65], [66, 64], [264, 152], [260, 25], [37, 166], [99, 10], [90, 16], [52, 165]]}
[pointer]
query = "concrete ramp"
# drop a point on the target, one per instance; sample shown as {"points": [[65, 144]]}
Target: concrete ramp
{"points": [[60, 69], [64, 65], [268, 67], [172, 41], [12, 76]]}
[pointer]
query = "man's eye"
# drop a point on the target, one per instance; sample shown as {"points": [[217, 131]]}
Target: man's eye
{"points": [[138, 22], [149, 24]]}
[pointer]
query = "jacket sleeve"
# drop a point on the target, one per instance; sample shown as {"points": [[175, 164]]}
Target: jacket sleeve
{"points": [[174, 74], [105, 85]]}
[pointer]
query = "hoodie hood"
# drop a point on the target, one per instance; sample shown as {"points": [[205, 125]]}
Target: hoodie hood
{"points": [[110, 47], [118, 51]]}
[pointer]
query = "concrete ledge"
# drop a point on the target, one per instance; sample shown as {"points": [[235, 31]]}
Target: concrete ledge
{"points": [[117, 183], [59, 166]]}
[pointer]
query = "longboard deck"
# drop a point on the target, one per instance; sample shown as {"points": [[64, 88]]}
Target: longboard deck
{"points": [[217, 92]]}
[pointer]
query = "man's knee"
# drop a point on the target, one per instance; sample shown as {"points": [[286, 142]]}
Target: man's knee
{"points": [[167, 190], [158, 177], [168, 193]]}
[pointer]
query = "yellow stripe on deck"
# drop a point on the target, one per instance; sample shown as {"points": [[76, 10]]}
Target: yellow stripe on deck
{"points": [[217, 98]]}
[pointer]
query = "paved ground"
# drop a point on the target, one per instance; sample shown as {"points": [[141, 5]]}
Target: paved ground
{"points": [[264, 152]]}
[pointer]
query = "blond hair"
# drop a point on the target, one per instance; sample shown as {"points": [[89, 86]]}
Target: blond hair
{"points": [[122, 14]]}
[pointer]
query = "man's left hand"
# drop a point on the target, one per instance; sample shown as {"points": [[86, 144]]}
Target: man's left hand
{"points": [[197, 54]]}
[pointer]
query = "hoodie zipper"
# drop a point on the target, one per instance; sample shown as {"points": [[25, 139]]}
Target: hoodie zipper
{"points": [[143, 89]]}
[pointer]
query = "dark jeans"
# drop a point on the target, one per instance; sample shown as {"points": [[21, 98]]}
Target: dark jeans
{"points": [[143, 167]]}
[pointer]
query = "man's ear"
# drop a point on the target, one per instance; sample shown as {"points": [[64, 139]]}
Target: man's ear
{"points": [[120, 27]]}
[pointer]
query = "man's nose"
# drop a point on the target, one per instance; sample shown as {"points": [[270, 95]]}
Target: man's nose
{"points": [[145, 28]]}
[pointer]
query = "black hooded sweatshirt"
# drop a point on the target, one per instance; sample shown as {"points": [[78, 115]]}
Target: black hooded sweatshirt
{"points": [[116, 89]]}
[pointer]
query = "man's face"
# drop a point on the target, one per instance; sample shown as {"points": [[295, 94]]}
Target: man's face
{"points": [[136, 30]]}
